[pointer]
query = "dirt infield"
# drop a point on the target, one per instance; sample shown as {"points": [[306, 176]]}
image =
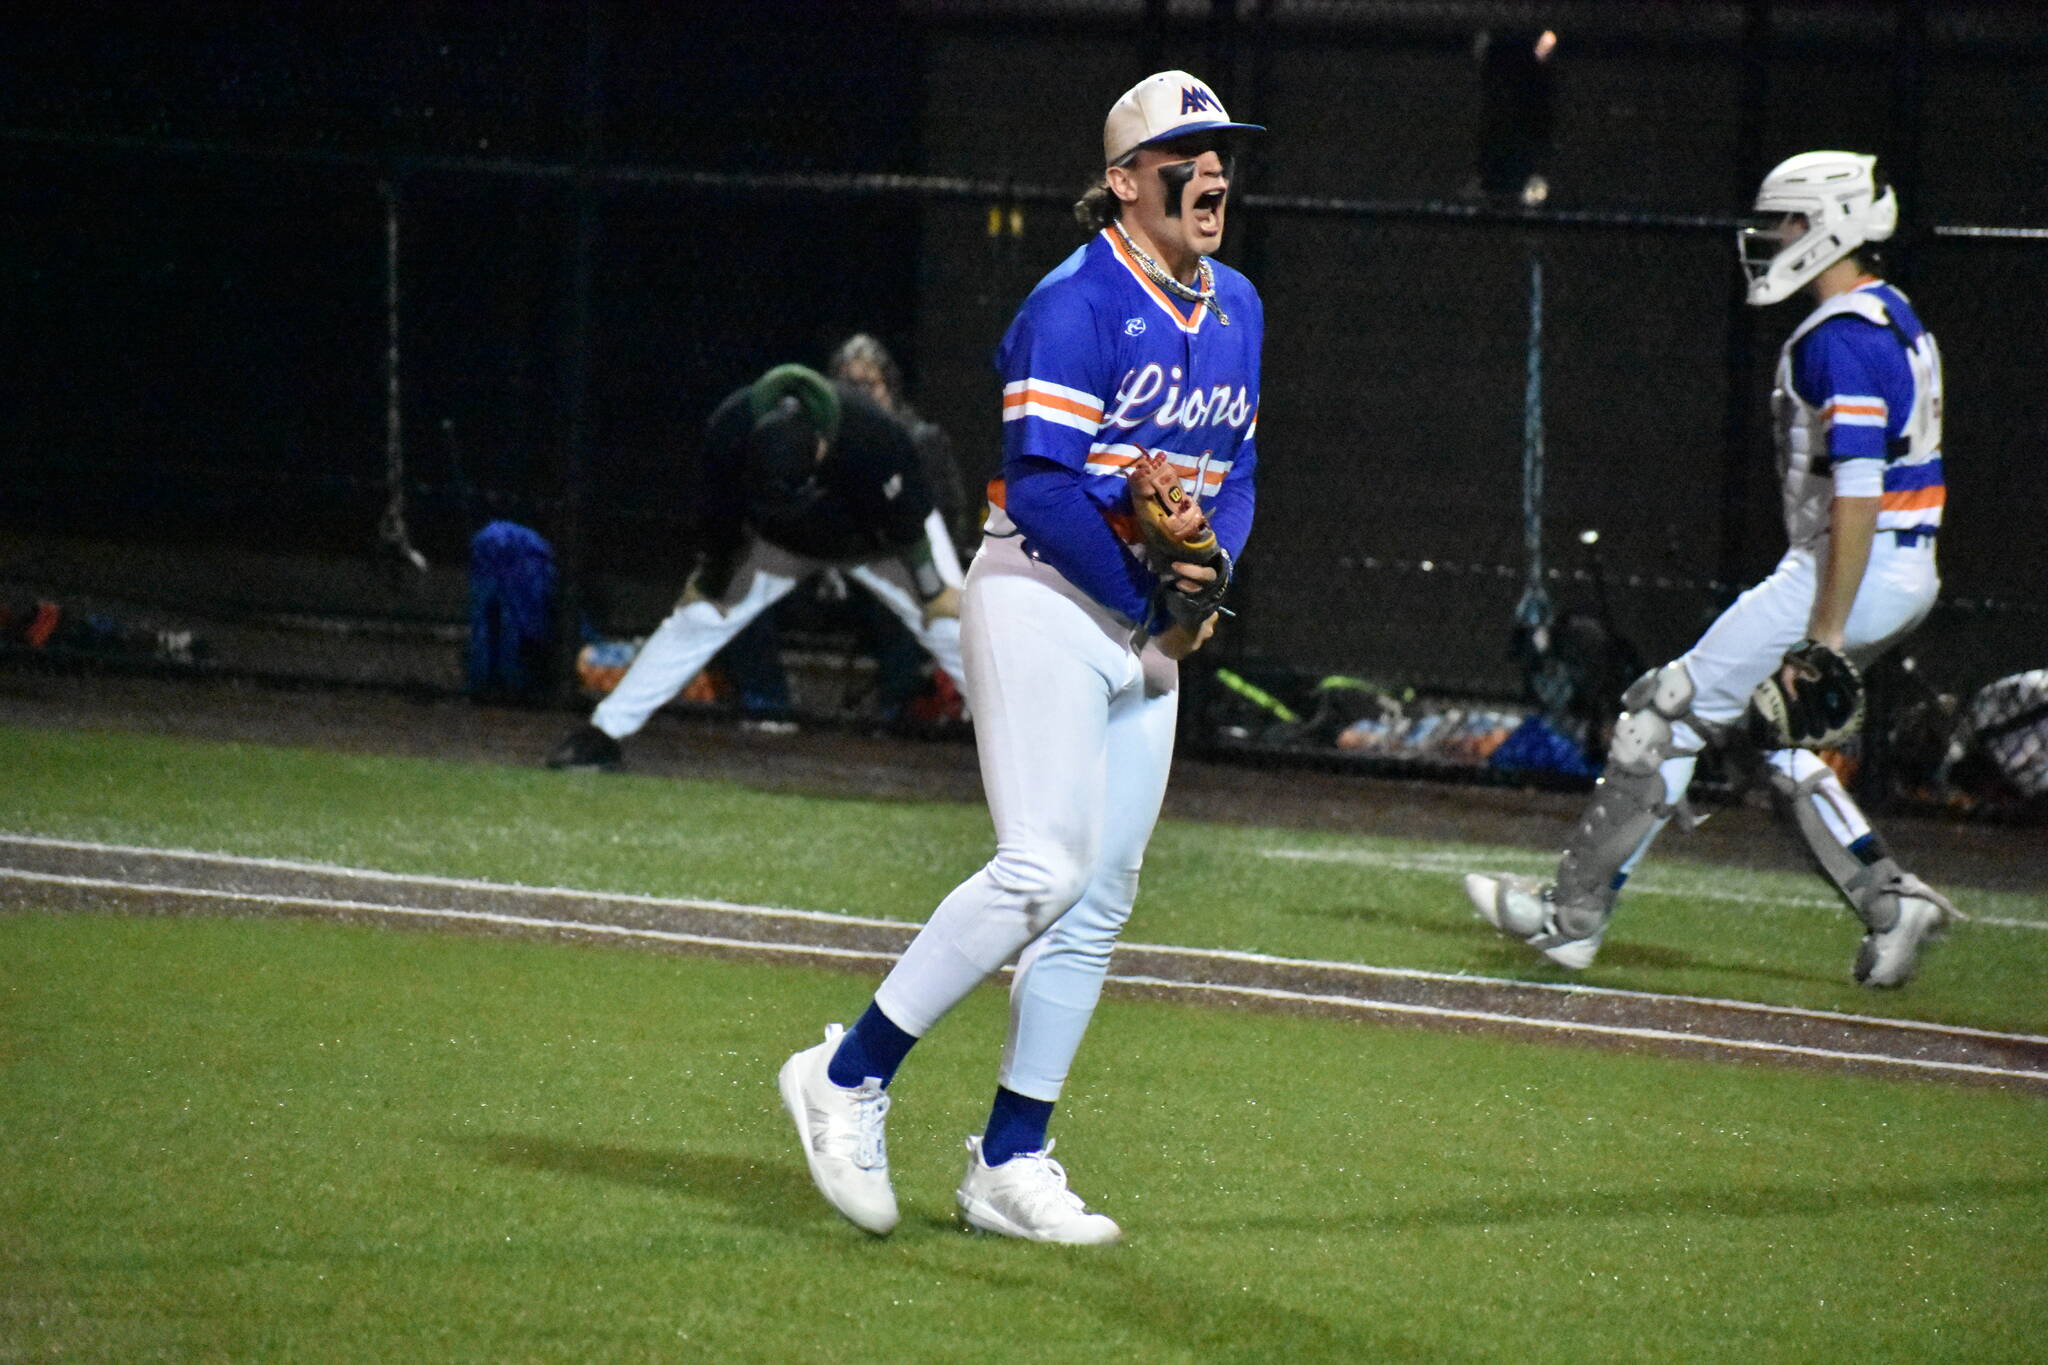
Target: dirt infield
{"points": [[66, 874]]}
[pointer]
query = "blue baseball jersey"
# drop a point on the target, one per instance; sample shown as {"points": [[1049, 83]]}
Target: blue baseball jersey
{"points": [[1864, 379], [1101, 366]]}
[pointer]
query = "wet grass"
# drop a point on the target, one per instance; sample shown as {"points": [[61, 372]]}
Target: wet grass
{"points": [[253, 1140], [285, 1140], [1686, 928]]}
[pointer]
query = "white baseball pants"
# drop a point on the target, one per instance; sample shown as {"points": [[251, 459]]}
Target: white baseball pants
{"points": [[697, 629], [1748, 641], [1074, 722]]}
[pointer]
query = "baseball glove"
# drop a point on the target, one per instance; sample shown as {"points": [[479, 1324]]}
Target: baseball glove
{"points": [[1171, 522], [1176, 531], [1827, 710]]}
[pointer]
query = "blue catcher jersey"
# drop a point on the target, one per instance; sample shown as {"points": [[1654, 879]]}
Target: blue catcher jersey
{"points": [[1102, 365], [1859, 412]]}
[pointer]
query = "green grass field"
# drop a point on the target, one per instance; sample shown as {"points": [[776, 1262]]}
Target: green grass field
{"points": [[285, 1140], [1770, 937]]}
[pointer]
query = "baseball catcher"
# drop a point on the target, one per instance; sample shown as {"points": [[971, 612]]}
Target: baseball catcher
{"points": [[1858, 409]]}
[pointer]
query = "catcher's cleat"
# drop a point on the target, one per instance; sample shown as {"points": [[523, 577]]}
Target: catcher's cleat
{"points": [[1521, 907], [587, 749], [1027, 1197], [844, 1139], [1888, 958]]}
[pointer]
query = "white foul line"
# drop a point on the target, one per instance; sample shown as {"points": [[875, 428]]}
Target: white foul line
{"points": [[1570, 1026], [1576, 988], [907, 927], [1261, 992], [370, 874], [425, 912], [1451, 863]]}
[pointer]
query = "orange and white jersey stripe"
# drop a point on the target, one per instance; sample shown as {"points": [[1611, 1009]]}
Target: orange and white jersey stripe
{"points": [[1858, 408], [1052, 402], [1855, 410], [1915, 493], [1100, 369], [1200, 475]]}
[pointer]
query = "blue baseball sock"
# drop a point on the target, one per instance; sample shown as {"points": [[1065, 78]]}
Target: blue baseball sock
{"points": [[874, 1046], [1015, 1125]]}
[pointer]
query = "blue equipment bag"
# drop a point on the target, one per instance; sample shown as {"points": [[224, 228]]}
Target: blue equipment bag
{"points": [[511, 612]]}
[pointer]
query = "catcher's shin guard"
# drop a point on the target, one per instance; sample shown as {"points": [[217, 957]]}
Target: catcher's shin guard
{"points": [[1869, 879], [1629, 802]]}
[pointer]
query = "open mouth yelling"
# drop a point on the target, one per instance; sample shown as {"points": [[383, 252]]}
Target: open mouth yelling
{"points": [[1207, 217]]}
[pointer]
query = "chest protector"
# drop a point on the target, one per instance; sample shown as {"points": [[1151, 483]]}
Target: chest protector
{"points": [[1802, 437]]}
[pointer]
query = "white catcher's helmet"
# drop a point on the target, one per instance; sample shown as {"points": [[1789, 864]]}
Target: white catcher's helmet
{"points": [[1836, 192]]}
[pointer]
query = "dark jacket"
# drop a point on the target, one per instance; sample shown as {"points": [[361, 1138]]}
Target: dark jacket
{"points": [[867, 497]]}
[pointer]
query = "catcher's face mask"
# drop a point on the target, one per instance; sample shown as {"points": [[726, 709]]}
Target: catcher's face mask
{"points": [[1835, 199]]}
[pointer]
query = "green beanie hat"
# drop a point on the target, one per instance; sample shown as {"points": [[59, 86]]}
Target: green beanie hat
{"points": [[812, 391]]}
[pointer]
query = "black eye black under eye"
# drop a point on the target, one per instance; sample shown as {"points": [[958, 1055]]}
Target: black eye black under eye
{"points": [[1179, 173]]}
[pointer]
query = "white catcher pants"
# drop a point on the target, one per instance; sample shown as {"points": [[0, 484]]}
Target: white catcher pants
{"points": [[1074, 722], [696, 630], [1747, 642]]}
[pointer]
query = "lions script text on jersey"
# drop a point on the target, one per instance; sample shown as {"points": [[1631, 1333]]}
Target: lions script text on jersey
{"points": [[1101, 365]]}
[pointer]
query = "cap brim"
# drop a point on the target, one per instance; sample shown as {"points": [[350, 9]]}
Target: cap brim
{"points": [[1194, 129]]}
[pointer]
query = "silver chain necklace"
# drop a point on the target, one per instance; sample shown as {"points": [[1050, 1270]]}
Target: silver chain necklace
{"points": [[1204, 292]]}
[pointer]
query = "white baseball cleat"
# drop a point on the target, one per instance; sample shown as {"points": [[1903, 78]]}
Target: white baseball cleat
{"points": [[842, 1134], [1520, 907], [1027, 1196], [1888, 958]]}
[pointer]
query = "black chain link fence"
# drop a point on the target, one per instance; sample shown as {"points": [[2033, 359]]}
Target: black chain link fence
{"points": [[574, 227]]}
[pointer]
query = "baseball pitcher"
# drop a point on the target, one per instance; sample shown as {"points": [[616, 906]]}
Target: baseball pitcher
{"points": [[1130, 406]]}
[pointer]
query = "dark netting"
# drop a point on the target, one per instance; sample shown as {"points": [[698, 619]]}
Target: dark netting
{"points": [[297, 306]]}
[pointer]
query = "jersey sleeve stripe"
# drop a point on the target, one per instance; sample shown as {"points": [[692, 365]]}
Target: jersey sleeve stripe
{"points": [[1080, 407], [1057, 416], [1858, 411], [1035, 402], [1055, 403], [1107, 462], [1046, 387]]}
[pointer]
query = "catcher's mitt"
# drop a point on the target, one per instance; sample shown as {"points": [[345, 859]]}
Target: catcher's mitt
{"points": [[1827, 710], [1176, 531]]}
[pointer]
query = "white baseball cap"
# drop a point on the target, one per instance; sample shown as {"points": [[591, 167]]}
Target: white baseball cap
{"points": [[1169, 105]]}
